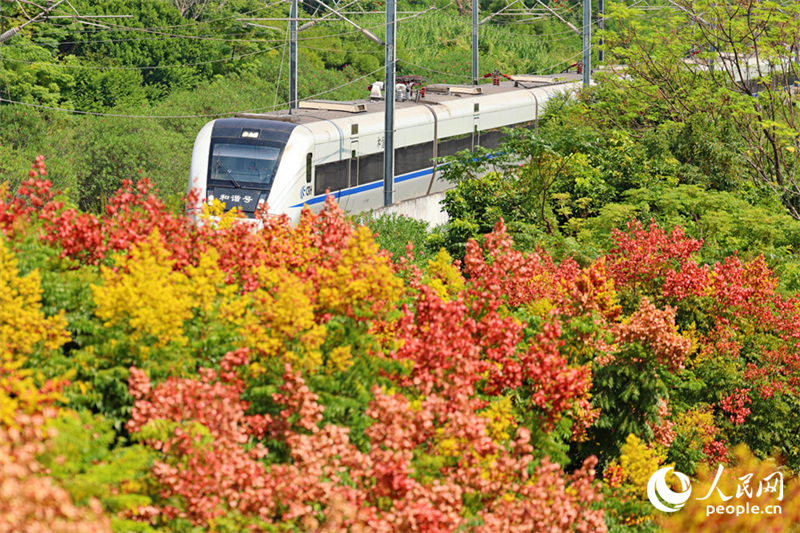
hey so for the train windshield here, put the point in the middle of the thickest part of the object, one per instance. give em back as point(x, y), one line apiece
point(243, 165)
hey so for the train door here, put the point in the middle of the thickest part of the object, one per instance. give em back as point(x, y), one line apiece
point(346, 200)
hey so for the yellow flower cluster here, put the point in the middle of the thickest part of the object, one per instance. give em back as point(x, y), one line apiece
point(361, 275)
point(445, 278)
point(638, 463)
point(156, 304)
point(282, 316)
point(210, 291)
point(697, 425)
point(144, 293)
point(501, 419)
point(23, 329)
point(214, 213)
point(340, 359)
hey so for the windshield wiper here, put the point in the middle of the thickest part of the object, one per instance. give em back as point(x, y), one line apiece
point(228, 173)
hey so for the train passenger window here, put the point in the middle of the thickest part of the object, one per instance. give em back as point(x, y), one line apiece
point(415, 157)
point(309, 158)
point(332, 176)
point(451, 145)
point(370, 168)
point(491, 138)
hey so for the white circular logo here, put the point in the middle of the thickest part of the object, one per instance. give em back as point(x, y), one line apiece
point(658, 490)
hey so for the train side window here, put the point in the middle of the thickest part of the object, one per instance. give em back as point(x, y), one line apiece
point(332, 176)
point(451, 145)
point(491, 138)
point(414, 157)
point(309, 158)
point(370, 168)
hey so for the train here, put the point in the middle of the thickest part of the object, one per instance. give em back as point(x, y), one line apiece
point(292, 161)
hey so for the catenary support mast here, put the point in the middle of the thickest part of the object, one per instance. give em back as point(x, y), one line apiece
point(587, 41)
point(389, 83)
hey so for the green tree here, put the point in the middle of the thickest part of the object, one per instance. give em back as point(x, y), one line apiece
point(727, 61)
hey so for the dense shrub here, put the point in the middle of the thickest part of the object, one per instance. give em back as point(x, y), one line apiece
point(233, 376)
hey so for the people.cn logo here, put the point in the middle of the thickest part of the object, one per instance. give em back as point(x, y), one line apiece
point(659, 492)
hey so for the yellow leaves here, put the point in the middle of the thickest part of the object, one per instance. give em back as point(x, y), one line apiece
point(638, 463)
point(23, 326)
point(23, 329)
point(340, 359)
point(540, 307)
point(208, 282)
point(445, 278)
point(361, 277)
point(214, 213)
point(144, 293)
point(282, 315)
point(501, 419)
point(697, 425)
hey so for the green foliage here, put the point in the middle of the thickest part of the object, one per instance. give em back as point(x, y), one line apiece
point(627, 392)
point(725, 221)
point(114, 150)
point(395, 232)
point(87, 461)
point(686, 66)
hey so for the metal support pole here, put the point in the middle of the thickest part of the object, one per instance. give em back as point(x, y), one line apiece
point(38, 18)
point(293, 56)
point(601, 25)
point(475, 73)
point(388, 86)
point(587, 41)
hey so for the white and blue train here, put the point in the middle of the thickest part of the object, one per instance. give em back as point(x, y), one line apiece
point(290, 160)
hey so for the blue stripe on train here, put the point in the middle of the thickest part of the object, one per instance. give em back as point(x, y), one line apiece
point(366, 187)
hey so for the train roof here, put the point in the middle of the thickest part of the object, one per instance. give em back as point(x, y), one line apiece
point(315, 110)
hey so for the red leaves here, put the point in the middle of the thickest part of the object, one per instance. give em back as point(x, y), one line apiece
point(656, 329)
point(549, 503)
point(557, 386)
point(132, 215)
point(735, 405)
point(642, 255)
point(205, 464)
point(508, 273)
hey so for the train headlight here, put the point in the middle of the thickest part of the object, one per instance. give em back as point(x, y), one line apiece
point(262, 199)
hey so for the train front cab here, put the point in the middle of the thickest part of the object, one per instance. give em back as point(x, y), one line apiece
point(236, 161)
